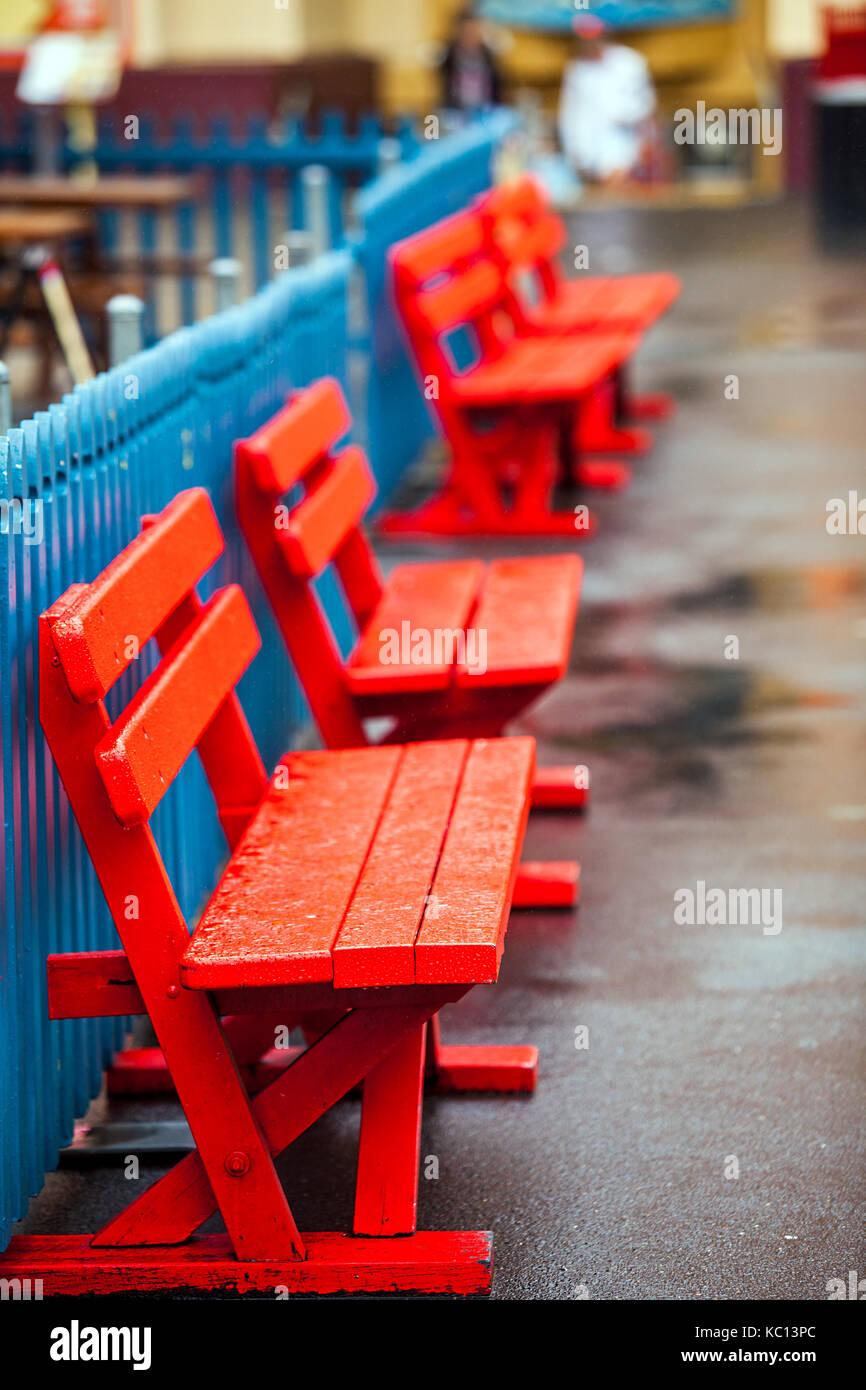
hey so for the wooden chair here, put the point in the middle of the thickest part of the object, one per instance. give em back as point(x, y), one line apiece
point(366, 888)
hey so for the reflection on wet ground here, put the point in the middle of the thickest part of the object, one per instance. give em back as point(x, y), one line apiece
point(737, 763)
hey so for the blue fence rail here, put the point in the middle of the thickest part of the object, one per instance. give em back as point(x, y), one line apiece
point(74, 482)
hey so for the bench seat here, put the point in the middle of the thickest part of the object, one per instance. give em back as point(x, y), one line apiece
point(370, 867)
point(605, 302)
point(534, 371)
point(523, 610)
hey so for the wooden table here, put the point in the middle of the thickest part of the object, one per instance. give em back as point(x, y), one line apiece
point(31, 226)
point(111, 191)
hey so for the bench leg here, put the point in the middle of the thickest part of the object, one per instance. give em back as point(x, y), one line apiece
point(551, 883)
point(478, 1068)
point(560, 789)
point(597, 429)
point(473, 501)
point(657, 405)
point(384, 1044)
point(386, 1193)
point(144, 1071)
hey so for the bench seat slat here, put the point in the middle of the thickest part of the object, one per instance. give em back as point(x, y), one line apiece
point(463, 930)
point(376, 944)
point(147, 746)
point(283, 897)
point(527, 610)
point(627, 301)
point(534, 370)
point(431, 597)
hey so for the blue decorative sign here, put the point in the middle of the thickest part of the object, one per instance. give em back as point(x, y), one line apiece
point(620, 14)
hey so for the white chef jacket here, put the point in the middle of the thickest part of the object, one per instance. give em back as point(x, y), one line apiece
point(602, 105)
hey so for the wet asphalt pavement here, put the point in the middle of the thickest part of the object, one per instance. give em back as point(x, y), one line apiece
point(712, 1049)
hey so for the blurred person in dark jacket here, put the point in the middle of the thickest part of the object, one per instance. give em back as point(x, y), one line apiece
point(469, 71)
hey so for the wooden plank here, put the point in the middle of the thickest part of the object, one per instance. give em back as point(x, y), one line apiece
point(100, 984)
point(425, 254)
point(527, 611)
point(386, 1194)
point(92, 984)
point(462, 298)
point(376, 944)
point(463, 932)
point(281, 453)
point(93, 625)
point(534, 370)
point(145, 748)
point(280, 903)
point(319, 524)
point(447, 1262)
point(421, 598)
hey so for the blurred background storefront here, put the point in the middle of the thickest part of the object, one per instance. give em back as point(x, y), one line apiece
point(305, 56)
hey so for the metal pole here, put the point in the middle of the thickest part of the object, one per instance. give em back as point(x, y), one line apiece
point(124, 327)
point(226, 274)
point(390, 153)
point(5, 400)
point(300, 248)
point(47, 141)
point(315, 181)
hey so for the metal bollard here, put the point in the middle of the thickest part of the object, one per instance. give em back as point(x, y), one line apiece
point(390, 154)
point(124, 327)
point(315, 181)
point(300, 248)
point(5, 400)
point(226, 274)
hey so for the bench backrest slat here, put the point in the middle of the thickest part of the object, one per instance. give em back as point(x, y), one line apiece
point(103, 626)
point(293, 543)
point(446, 278)
point(523, 232)
point(95, 631)
point(148, 744)
point(283, 451)
point(329, 513)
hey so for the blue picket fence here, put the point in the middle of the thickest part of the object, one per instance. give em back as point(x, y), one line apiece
point(119, 447)
point(86, 470)
point(250, 191)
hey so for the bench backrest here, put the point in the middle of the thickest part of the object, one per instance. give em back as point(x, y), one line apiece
point(116, 771)
point(525, 236)
point(300, 503)
point(445, 279)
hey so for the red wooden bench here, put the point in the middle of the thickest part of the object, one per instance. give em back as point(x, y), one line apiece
point(513, 415)
point(366, 888)
point(526, 237)
point(521, 611)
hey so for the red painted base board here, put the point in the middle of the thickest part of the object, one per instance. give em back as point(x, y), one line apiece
point(445, 1262)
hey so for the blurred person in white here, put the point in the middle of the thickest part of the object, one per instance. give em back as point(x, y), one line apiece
point(605, 105)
